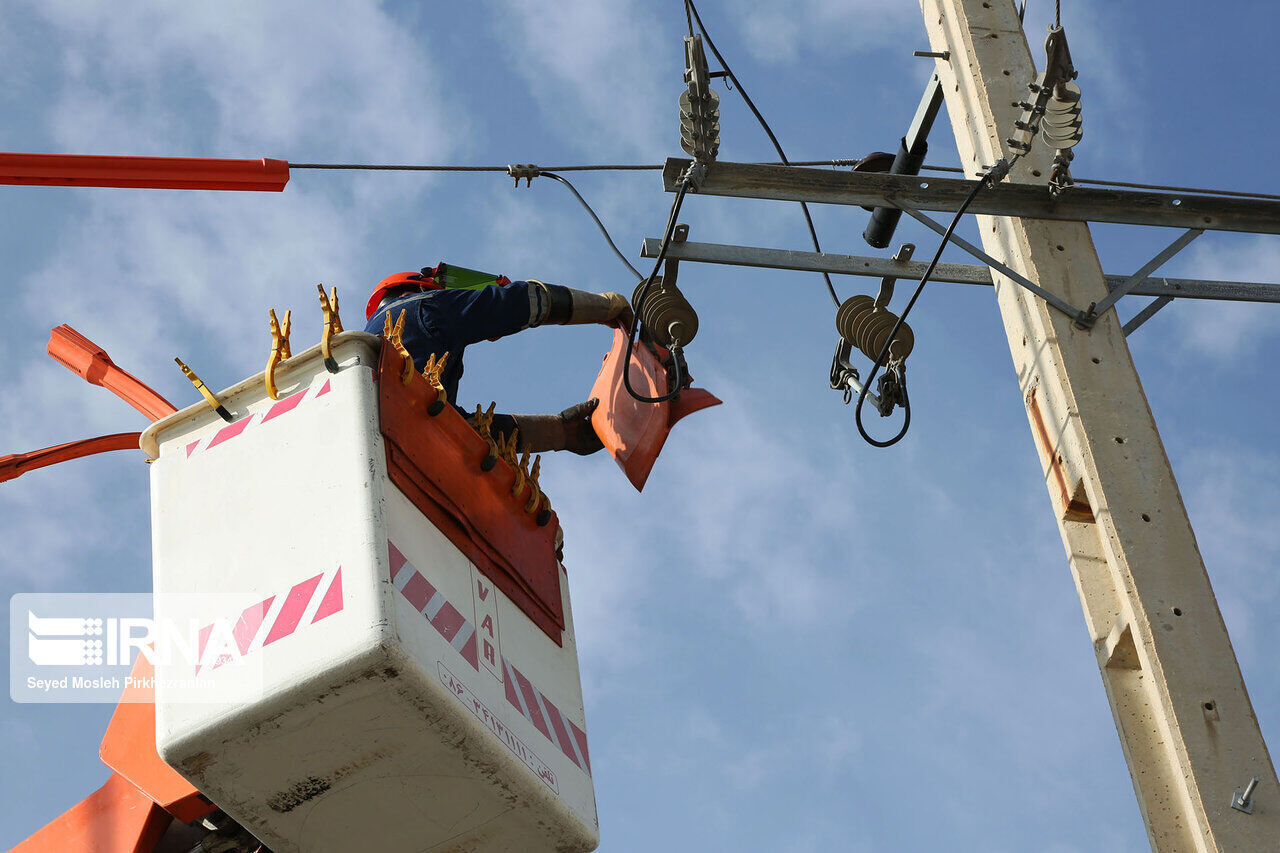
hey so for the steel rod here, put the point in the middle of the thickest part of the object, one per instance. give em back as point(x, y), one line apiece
point(787, 259)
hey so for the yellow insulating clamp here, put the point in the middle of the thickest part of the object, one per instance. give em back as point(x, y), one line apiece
point(522, 475)
point(535, 491)
point(393, 335)
point(204, 391)
point(508, 450)
point(433, 372)
point(332, 326)
point(279, 351)
point(482, 422)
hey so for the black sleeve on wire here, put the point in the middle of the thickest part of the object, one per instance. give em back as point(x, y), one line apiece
point(777, 146)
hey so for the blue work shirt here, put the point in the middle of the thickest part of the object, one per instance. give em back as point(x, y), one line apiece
point(447, 321)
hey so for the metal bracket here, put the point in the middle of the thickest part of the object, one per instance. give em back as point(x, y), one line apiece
point(998, 266)
point(1087, 318)
point(1146, 314)
point(844, 377)
point(886, 284)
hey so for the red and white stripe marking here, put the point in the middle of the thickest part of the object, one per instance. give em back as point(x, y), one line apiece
point(431, 603)
point(531, 702)
point(281, 407)
point(546, 717)
point(279, 616)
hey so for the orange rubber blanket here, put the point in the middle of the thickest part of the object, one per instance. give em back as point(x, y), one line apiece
point(634, 432)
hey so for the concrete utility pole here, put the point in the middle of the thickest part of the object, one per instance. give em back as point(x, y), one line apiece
point(1185, 720)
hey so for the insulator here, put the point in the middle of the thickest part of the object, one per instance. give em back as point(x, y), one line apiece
point(1061, 126)
point(699, 106)
point(867, 327)
point(667, 316)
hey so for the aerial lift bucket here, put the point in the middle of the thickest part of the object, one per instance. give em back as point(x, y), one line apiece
point(401, 621)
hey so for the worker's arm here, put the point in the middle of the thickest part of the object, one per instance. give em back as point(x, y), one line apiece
point(570, 430)
point(495, 312)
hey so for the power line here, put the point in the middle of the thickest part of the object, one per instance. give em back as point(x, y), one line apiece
point(599, 224)
point(777, 146)
point(835, 162)
point(379, 167)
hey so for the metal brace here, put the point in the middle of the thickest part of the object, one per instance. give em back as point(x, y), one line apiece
point(1087, 318)
point(998, 266)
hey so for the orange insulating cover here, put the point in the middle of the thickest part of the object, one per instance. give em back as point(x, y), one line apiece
point(117, 818)
point(436, 461)
point(129, 748)
point(634, 432)
point(16, 464)
point(161, 173)
point(91, 362)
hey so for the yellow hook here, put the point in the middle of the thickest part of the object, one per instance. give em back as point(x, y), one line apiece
point(279, 351)
point(332, 326)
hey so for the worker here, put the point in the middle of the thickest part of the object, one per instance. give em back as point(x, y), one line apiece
point(440, 319)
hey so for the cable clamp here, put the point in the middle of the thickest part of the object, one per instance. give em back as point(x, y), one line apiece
point(694, 175)
point(528, 171)
point(997, 173)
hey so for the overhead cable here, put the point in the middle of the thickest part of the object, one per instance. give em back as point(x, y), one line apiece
point(777, 146)
point(599, 224)
point(994, 174)
point(835, 162)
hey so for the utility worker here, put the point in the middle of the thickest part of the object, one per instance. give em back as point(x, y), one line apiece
point(443, 319)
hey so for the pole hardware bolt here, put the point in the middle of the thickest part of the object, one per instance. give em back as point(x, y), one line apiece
point(1243, 802)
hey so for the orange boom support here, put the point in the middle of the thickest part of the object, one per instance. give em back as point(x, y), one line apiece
point(171, 173)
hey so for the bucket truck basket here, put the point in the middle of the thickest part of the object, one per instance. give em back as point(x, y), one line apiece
point(400, 617)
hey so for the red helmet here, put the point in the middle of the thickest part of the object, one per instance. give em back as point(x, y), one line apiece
point(401, 279)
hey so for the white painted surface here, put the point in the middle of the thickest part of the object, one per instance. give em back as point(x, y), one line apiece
point(371, 730)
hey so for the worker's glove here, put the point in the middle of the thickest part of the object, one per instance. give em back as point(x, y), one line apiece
point(569, 430)
point(565, 306)
point(579, 436)
point(619, 310)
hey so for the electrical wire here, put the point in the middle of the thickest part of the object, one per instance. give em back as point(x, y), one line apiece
point(777, 146)
point(884, 352)
point(599, 224)
point(835, 162)
point(379, 167)
point(639, 302)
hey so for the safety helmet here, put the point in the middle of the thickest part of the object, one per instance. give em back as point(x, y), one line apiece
point(417, 280)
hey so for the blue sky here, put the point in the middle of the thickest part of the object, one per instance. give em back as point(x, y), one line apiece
point(791, 641)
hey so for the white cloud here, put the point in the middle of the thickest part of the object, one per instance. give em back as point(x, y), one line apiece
point(1226, 331)
point(787, 31)
point(605, 74)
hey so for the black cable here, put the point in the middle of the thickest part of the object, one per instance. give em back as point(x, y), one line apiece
point(884, 352)
point(395, 167)
point(646, 167)
point(644, 292)
point(599, 224)
point(813, 232)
